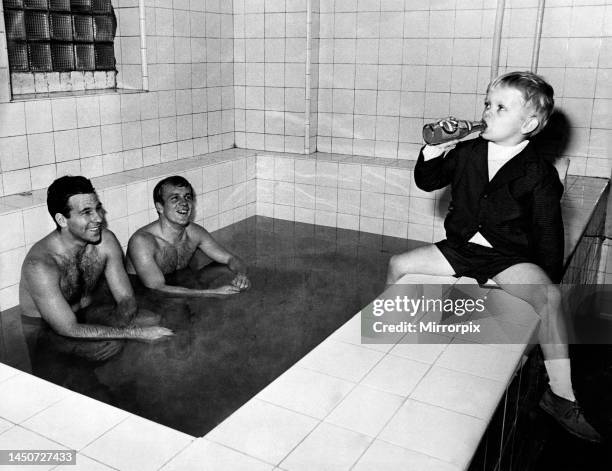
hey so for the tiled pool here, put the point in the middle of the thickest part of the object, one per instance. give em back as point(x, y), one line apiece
point(307, 282)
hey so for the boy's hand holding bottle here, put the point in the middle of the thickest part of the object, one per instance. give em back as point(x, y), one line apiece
point(444, 134)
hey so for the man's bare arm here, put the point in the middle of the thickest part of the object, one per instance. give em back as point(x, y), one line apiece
point(141, 250)
point(218, 253)
point(42, 278)
point(117, 279)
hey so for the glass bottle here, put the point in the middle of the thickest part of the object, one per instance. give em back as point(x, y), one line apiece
point(450, 128)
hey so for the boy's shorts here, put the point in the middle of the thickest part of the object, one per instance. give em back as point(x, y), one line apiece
point(477, 261)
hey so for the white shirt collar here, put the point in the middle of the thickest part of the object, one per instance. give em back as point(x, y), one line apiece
point(497, 152)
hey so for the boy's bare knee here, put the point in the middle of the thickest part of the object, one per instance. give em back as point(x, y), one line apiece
point(393, 262)
point(392, 270)
point(426, 260)
point(553, 295)
point(544, 296)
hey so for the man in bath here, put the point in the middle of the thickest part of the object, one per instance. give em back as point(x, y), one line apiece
point(170, 243)
point(62, 271)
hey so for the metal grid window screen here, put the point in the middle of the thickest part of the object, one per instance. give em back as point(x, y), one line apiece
point(60, 35)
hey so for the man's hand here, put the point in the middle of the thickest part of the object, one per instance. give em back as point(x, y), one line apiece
point(154, 333)
point(431, 152)
point(241, 282)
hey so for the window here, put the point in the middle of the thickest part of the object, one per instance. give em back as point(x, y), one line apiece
point(45, 36)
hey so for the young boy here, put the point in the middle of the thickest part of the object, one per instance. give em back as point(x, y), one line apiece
point(504, 223)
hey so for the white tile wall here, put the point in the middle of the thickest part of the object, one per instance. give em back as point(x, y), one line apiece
point(432, 60)
point(348, 194)
point(270, 71)
point(189, 55)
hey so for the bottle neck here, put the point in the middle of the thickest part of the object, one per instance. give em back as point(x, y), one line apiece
point(474, 126)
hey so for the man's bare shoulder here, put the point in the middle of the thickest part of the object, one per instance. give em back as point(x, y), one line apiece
point(197, 232)
point(108, 242)
point(148, 232)
point(44, 251)
point(41, 259)
point(147, 237)
point(40, 269)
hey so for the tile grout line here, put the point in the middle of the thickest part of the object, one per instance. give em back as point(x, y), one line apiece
point(338, 404)
point(404, 401)
point(175, 455)
point(320, 421)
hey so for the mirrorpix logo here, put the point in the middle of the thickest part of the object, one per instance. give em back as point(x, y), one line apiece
point(421, 309)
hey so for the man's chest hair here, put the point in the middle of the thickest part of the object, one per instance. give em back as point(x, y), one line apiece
point(80, 272)
point(175, 256)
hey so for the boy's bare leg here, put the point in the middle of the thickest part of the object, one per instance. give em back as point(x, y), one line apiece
point(529, 282)
point(426, 260)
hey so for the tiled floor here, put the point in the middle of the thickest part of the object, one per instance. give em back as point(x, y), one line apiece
point(383, 456)
point(470, 395)
point(55, 422)
point(263, 430)
point(365, 410)
point(204, 451)
point(429, 404)
point(341, 360)
point(434, 431)
point(384, 376)
point(22, 396)
point(492, 362)
point(306, 391)
point(150, 445)
point(17, 437)
point(327, 447)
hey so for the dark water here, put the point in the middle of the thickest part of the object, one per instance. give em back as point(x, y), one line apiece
point(306, 282)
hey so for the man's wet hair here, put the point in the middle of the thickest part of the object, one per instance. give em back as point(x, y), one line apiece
point(175, 180)
point(537, 93)
point(60, 191)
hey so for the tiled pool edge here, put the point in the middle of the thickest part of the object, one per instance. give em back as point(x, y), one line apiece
point(458, 430)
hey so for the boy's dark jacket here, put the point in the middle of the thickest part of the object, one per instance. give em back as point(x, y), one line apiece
point(518, 211)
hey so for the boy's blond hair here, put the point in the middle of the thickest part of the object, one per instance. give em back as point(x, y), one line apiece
point(537, 93)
